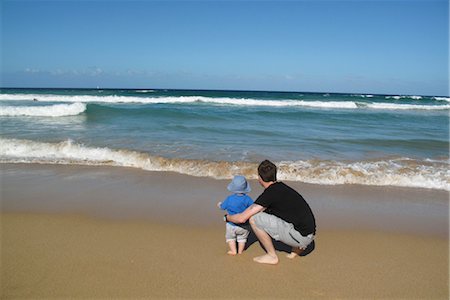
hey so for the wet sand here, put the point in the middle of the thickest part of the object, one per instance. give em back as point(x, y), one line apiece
point(96, 232)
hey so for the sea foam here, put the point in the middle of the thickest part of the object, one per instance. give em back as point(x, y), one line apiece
point(57, 110)
point(442, 99)
point(392, 106)
point(433, 174)
point(404, 97)
point(221, 101)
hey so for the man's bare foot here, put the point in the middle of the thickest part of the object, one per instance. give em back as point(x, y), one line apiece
point(295, 252)
point(231, 253)
point(266, 259)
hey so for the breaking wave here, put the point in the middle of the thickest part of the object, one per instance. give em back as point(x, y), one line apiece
point(57, 110)
point(222, 101)
point(442, 99)
point(404, 97)
point(392, 106)
point(433, 174)
point(144, 91)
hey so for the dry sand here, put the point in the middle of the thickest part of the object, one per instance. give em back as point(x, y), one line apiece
point(95, 232)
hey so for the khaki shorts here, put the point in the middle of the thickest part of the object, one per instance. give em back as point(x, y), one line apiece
point(281, 230)
point(235, 232)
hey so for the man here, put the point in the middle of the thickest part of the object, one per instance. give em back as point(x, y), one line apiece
point(280, 213)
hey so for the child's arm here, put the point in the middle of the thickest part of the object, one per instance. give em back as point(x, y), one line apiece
point(246, 214)
point(223, 205)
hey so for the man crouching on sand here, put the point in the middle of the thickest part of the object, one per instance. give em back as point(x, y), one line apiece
point(279, 212)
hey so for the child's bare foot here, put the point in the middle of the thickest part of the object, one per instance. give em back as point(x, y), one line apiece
point(232, 247)
point(266, 259)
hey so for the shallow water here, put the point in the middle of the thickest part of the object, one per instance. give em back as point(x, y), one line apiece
point(313, 137)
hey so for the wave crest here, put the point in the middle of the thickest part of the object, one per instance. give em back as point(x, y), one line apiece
point(442, 99)
point(222, 101)
point(57, 110)
point(396, 172)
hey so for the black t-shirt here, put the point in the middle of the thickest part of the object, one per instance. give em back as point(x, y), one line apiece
point(284, 202)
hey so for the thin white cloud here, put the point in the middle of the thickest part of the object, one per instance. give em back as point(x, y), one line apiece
point(91, 71)
point(31, 70)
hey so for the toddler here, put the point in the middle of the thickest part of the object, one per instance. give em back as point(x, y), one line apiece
point(234, 204)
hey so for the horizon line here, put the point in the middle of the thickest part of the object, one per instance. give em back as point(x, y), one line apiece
point(218, 90)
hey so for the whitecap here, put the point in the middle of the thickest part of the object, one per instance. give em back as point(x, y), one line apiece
point(404, 171)
point(57, 110)
point(393, 106)
point(442, 99)
point(217, 101)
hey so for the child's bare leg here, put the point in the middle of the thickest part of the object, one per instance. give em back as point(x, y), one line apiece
point(232, 245)
point(241, 246)
point(296, 251)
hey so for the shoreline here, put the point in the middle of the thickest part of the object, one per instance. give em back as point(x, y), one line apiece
point(168, 197)
point(111, 232)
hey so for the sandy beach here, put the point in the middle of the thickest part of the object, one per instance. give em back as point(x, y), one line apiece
point(106, 232)
point(122, 123)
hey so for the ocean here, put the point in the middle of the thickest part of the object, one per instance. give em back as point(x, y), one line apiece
point(319, 138)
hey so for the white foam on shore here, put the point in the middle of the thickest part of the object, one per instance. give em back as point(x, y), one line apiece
point(221, 101)
point(405, 172)
point(57, 110)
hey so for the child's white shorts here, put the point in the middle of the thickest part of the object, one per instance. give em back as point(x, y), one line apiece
point(235, 232)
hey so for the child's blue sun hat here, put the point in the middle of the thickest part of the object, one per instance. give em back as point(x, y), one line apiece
point(239, 185)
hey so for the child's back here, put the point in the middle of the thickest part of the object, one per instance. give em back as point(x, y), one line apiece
point(235, 204)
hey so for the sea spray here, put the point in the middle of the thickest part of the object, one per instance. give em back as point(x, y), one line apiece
point(115, 99)
point(396, 172)
point(57, 110)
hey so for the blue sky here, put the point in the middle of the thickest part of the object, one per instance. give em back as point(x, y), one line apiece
point(391, 47)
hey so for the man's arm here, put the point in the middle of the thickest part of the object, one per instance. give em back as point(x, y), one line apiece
point(246, 214)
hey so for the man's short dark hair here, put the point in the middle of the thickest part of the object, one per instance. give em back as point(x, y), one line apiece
point(267, 171)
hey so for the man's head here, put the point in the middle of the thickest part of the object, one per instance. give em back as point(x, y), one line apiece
point(267, 171)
